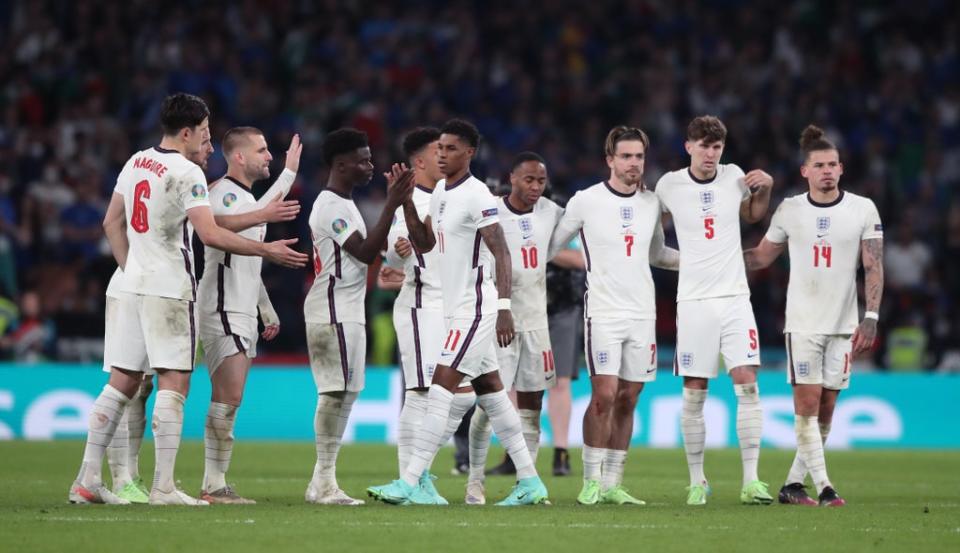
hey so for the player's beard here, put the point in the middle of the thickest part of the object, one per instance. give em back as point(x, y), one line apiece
point(628, 180)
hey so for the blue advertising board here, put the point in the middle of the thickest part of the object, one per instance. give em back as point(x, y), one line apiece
point(51, 401)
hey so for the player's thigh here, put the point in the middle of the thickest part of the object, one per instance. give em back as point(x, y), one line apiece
point(639, 357)
point(698, 338)
point(170, 332)
point(739, 341)
point(536, 369)
point(469, 345)
point(337, 356)
point(123, 343)
point(604, 340)
point(836, 362)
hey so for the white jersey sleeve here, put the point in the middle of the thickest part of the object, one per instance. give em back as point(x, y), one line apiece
point(777, 233)
point(339, 286)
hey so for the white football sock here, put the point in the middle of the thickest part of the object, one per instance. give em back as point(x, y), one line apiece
point(798, 470)
point(462, 402)
point(694, 432)
point(810, 450)
point(506, 425)
point(612, 471)
point(411, 415)
point(429, 435)
point(167, 428)
point(530, 425)
point(749, 428)
point(218, 445)
point(104, 416)
point(593, 462)
point(136, 424)
point(479, 440)
point(117, 454)
point(329, 424)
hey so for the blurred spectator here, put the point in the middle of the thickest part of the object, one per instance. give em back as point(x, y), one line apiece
point(32, 338)
point(80, 89)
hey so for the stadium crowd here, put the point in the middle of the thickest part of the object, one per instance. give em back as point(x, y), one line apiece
point(80, 86)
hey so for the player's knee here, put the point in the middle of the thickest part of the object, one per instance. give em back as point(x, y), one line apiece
point(602, 400)
point(626, 401)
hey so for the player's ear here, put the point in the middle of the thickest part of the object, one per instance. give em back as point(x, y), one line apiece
point(803, 170)
point(839, 169)
point(688, 146)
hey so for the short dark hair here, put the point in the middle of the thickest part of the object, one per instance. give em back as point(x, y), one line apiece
point(182, 110)
point(813, 139)
point(418, 139)
point(464, 129)
point(235, 136)
point(621, 133)
point(343, 141)
point(708, 128)
point(524, 157)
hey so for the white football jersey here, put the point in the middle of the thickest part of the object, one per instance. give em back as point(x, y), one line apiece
point(617, 232)
point(231, 283)
point(824, 245)
point(158, 187)
point(340, 283)
point(457, 212)
point(421, 281)
point(528, 237)
point(706, 217)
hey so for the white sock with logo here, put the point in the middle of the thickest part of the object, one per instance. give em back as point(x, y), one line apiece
point(612, 471)
point(593, 462)
point(694, 432)
point(104, 417)
point(479, 440)
point(218, 445)
point(411, 416)
point(167, 429)
point(749, 428)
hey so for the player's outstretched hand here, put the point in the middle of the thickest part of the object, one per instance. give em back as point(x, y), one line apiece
point(402, 188)
point(864, 336)
point(758, 180)
point(403, 247)
point(279, 210)
point(293, 154)
point(505, 330)
point(279, 252)
point(270, 331)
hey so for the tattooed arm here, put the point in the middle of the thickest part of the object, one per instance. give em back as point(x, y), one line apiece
point(872, 255)
point(494, 239)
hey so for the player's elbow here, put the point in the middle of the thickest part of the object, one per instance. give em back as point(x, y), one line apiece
point(210, 236)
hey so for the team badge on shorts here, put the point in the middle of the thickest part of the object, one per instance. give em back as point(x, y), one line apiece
point(603, 357)
point(823, 223)
point(339, 225)
point(526, 228)
point(686, 360)
point(707, 197)
point(803, 368)
point(229, 198)
point(199, 191)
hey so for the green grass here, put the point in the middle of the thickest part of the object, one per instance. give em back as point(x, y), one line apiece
point(897, 501)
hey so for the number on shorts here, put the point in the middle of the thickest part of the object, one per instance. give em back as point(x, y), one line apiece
point(708, 227)
point(455, 336)
point(530, 257)
point(753, 338)
point(653, 354)
point(628, 238)
point(822, 251)
point(138, 219)
point(548, 365)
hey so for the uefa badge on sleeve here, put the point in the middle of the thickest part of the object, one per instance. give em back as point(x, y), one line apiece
point(339, 225)
point(229, 198)
point(199, 191)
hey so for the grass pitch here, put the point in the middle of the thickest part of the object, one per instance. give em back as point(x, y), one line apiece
point(897, 501)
